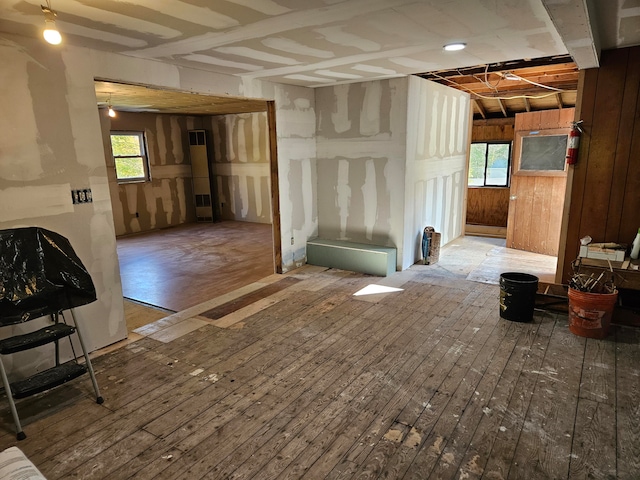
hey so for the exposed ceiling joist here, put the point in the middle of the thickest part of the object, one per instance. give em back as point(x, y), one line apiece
point(501, 105)
point(546, 84)
point(480, 108)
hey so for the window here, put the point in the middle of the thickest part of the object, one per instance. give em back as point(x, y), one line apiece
point(541, 153)
point(129, 154)
point(489, 164)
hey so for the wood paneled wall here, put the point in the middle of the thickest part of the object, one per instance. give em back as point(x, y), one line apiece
point(489, 206)
point(605, 195)
point(492, 130)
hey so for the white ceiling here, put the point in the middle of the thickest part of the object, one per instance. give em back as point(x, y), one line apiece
point(324, 42)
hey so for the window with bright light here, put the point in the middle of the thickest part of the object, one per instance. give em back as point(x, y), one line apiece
point(130, 156)
point(489, 164)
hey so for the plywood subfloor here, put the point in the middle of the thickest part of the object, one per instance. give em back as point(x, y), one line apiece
point(312, 382)
point(483, 259)
point(183, 266)
point(138, 314)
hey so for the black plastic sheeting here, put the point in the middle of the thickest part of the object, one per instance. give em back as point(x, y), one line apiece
point(40, 274)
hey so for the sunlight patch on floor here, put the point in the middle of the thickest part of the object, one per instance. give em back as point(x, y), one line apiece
point(373, 289)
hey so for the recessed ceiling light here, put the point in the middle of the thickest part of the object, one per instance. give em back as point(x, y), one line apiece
point(452, 47)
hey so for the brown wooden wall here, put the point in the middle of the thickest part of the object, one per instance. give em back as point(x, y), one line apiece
point(489, 206)
point(490, 130)
point(605, 195)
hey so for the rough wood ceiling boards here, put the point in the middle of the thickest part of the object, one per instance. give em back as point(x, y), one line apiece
point(495, 95)
point(140, 98)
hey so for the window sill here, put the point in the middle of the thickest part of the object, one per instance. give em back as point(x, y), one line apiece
point(127, 182)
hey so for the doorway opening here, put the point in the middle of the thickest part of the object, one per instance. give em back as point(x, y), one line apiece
point(515, 219)
point(172, 257)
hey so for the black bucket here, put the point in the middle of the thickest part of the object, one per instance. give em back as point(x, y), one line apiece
point(518, 296)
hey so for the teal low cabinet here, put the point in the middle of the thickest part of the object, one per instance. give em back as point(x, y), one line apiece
point(355, 257)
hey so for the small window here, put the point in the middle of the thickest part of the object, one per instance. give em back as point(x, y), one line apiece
point(489, 164)
point(130, 156)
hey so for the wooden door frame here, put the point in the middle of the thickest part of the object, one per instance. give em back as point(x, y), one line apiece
point(275, 187)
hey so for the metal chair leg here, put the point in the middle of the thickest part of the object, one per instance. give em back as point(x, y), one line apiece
point(20, 435)
point(99, 398)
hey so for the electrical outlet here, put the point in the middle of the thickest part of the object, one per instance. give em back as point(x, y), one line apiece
point(81, 196)
point(292, 240)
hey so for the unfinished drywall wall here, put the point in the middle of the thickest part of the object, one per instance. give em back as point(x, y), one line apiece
point(361, 143)
point(51, 142)
point(240, 163)
point(167, 198)
point(437, 145)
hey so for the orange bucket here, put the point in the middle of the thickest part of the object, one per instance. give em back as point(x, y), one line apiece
point(590, 313)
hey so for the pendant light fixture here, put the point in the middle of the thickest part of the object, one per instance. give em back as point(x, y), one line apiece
point(50, 33)
point(111, 112)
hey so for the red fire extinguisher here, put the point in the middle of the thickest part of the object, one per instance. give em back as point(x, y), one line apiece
point(573, 143)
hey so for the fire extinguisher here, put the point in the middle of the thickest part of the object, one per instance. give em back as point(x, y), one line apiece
point(573, 143)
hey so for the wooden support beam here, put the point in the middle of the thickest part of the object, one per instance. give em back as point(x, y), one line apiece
point(480, 108)
point(504, 110)
point(527, 104)
point(492, 122)
point(559, 100)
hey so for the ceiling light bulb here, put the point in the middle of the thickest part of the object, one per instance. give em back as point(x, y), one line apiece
point(452, 47)
point(50, 33)
point(511, 76)
point(111, 112)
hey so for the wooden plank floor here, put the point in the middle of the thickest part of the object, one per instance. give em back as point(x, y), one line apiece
point(426, 383)
point(180, 267)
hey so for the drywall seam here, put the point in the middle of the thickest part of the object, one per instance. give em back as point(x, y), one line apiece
point(370, 113)
point(370, 194)
point(35, 201)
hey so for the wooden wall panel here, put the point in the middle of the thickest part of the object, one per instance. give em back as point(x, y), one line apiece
point(624, 203)
point(487, 206)
point(606, 180)
point(485, 130)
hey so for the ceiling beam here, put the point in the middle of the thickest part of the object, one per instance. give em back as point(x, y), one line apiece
point(504, 110)
point(575, 22)
point(480, 108)
point(531, 90)
point(559, 100)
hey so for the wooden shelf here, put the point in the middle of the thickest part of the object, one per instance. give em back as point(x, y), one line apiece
point(625, 274)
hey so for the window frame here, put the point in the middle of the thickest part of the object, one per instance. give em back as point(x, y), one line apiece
point(486, 152)
point(143, 154)
point(517, 152)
